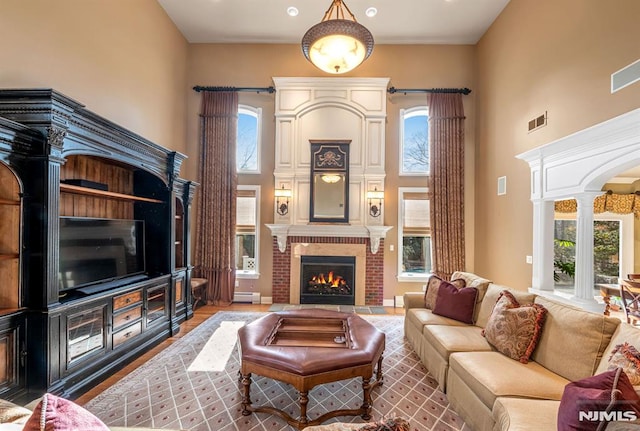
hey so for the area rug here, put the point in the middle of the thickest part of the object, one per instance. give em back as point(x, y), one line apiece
point(162, 393)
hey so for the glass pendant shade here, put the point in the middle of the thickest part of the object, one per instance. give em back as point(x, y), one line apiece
point(337, 45)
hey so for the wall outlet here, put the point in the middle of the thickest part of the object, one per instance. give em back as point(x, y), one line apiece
point(391, 247)
point(529, 259)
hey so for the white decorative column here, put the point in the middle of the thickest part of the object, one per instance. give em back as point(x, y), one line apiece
point(543, 226)
point(584, 281)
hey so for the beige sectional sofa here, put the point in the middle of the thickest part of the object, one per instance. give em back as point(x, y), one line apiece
point(491, 391)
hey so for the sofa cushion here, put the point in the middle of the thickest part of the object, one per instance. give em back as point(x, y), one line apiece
point(573, 340)
point(458, 304)
point(59, 414)
point(448, 339)
point(491, 296)
point(419, 317)
point(525, 414)
point(514, 329)
point(473, 280)
point(608, 392)
point(491, 374)
point(433, 285)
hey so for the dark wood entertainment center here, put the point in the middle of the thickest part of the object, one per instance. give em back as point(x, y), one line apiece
point(57, 159)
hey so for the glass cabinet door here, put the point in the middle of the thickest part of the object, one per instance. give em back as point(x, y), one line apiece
point(156, 304)
point(85, 333)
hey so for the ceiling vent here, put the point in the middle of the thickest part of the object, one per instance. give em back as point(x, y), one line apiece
point(537, 122)
point(625, 76)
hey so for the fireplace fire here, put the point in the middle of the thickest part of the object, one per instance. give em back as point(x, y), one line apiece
point(327, 280)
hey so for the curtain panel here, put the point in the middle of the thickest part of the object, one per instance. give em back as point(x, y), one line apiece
point(214, 257)
point(446, 182)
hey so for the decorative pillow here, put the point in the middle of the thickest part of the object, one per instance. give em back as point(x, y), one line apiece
point(433, 285)
point(10, 412)
point(389, 424)
point(610, 392)
point(514, 329)
point(58, 414)
point(626, 357)
point(454, 303)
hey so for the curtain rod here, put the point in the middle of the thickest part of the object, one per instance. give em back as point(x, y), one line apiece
point(199, 88)
point(405, 91)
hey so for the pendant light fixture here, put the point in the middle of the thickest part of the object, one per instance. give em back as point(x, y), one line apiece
point(338, 43)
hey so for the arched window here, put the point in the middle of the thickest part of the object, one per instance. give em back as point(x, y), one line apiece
point(248, 142)
point(414, 141)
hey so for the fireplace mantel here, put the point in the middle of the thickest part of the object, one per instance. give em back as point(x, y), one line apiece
point(374, 233)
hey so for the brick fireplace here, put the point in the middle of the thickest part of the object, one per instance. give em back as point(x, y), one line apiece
point(286, 266)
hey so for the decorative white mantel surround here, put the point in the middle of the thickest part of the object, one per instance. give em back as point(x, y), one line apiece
point(330, 109)
point(577, 166)
point(374, 233)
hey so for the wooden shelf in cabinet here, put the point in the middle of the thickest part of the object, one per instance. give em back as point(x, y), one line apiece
point(68, 188)
point(9, 202)
point(8, 256)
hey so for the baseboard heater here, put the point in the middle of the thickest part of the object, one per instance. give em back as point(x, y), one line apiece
point(250, 297)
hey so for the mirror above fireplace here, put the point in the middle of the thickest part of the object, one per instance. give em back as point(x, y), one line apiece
point(329, 181)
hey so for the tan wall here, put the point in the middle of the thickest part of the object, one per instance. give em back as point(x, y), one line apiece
point(540, 55)
point(123, 59)
point(407, 66)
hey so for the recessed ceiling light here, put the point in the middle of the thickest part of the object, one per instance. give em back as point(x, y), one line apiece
point(292, 11)
point(371, 12)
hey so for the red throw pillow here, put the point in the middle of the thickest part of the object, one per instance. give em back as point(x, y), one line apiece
point(590, 404)
point(58, 414)
point(454, 303)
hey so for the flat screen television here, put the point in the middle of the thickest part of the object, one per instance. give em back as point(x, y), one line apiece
point(96, 250)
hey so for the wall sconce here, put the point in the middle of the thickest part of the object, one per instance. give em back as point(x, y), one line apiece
point(375, 209)
point(282, 206)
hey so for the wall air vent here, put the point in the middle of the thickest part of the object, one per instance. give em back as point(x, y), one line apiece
point(537, 122)
point(625, 76)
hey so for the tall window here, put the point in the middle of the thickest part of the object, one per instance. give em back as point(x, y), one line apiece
point(414, 234)
point(247, 224)
point(414, 141)
point(248, 144)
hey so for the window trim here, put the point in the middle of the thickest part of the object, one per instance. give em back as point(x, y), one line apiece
point(408, 113)
point(257, 112)
point(241, 274)
point(403, 277)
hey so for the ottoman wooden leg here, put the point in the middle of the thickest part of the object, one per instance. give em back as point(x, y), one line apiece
point(379, 378)
point(366, 402)
point(246, 399)
point(304, 400)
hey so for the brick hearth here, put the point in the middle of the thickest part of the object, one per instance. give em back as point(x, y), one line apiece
point(282, 267)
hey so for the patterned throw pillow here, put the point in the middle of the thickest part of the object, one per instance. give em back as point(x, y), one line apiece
point(626, 357)
point(433, 285)
point(389, 424)
point(10, 412)
point(514, 329)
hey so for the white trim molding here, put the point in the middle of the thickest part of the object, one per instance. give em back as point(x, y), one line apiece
point(577, 166)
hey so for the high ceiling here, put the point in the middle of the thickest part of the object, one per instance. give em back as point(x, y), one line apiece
point(397, 21)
